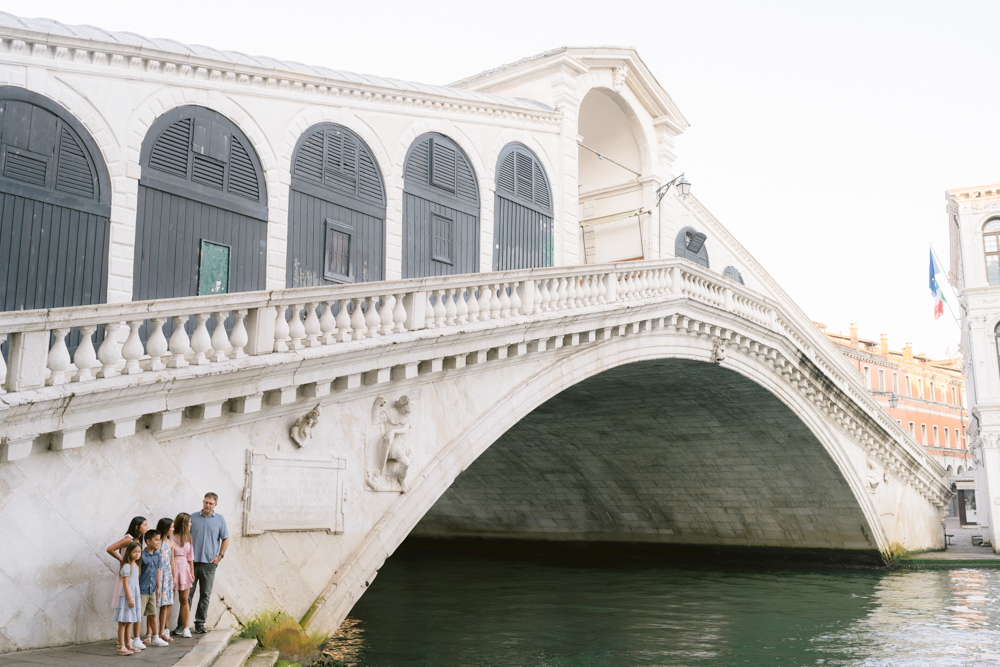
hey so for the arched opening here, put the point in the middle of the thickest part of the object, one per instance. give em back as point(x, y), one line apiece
point(960, 470)
point(522, 211)
point(670, 451)
point(733, 273)
point(690, 244)
point(610, 167)
point(201, 226)
point(440, 209)
point(55, 205)
point(336, 210)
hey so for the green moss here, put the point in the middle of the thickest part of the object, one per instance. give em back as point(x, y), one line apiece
point(277, 631)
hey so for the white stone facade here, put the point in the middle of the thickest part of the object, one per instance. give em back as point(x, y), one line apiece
point(969, 211)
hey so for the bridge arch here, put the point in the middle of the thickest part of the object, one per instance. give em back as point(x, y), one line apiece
point(858, 527)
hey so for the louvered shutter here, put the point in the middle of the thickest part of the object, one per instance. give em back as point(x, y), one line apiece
point(242, 174)
point(73, 175)
point(505, 178)
point(524, 176)
point(418, 163)
point(170, 152)
point(309, 158)
point(542, 197)
point(443, 167)
point(369, 182)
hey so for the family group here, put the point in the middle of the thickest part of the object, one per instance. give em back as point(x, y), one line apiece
point(156, 565)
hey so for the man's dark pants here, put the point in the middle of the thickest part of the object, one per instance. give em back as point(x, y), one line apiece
point(204, 577)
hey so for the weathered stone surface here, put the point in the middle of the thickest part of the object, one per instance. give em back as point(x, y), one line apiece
point(292, 494)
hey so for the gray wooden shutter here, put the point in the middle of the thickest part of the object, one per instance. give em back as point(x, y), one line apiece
point(309, 158)
point(443, 166)
point(417, 167)
point(171, 149)
point(505, 177)
point(74, 175)
point(242, 174)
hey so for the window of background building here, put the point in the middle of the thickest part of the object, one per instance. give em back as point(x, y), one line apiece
point(913, 434)
point(932, 396)
point(954, 400)
point(991, 246)
point(909, 387)
point(963, 437)
point(923, 434)
point(881, 380)
point(935, 429)
point(899, 421)
point(920, 388)
point(868, 377)
point(947, 439)
point(895, 383)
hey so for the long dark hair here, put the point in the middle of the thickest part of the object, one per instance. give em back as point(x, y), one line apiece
point(182, 528)
point(128, 551)
point(163, 527)
point(133, 528)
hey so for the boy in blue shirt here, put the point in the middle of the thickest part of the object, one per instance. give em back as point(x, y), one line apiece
point(149, 587)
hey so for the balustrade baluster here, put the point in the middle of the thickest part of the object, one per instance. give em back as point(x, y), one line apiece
point(344, 331)
point(399, 314)
point(156, 346)
point(602, 287)
point(485, 299)
point(296, 329)
point(584, 293)
point(543, 295)
point(358, 320)
point(450, 309)
point(629, 285)
point(3, 365)
point(180, 345)
point(495, 305)
point(239, 338)
point(201, 342)
point(328, 324)
point(515, 300)
point(440, 312)
point(504, 301)
point(312, 327)
point(461, 307)
point(385, 313)
point(473, 305)
point(132, 349)
point(110, 351)
point(220, 341)
point(563, 292)
point(58, 360)
point(676, 280)
point(281, 336)
point(372, 319)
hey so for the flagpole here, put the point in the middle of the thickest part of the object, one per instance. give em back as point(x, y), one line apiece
point(938, 260)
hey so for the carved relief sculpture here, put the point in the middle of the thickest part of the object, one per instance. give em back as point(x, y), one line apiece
point(302, 430)
point(392, 455)
point(873, 478)
point(719, 351)
point(618, 76)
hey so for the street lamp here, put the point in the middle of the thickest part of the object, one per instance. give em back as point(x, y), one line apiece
point(683, 188)
point(893, 397)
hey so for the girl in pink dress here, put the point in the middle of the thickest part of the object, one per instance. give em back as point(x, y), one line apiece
point(183, 570)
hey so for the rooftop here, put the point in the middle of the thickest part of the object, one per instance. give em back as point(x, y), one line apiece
point(89, 32)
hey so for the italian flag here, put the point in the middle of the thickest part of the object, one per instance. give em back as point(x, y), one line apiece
point(936, 288)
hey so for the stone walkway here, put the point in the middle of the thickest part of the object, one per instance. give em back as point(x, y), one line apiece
point(961, 545)
point(199, 651)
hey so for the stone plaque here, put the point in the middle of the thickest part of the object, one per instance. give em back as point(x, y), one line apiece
point(293, 494)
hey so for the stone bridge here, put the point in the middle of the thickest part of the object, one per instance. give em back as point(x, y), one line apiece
point(651, 401)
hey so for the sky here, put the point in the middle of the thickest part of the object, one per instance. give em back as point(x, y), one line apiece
point(823, 135)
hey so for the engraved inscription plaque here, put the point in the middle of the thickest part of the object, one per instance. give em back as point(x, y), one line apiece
point(293, 494)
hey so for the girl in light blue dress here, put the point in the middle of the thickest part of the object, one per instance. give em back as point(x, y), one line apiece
point(127, 610)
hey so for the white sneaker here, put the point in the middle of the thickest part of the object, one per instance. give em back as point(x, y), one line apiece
point(187, 633)
point(137, 643)
point(158, 641)
point(165, 633)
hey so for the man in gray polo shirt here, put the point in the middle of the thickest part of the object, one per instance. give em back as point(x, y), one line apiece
point(209, 539)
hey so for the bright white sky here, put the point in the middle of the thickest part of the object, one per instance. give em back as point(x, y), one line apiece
point(822, 135)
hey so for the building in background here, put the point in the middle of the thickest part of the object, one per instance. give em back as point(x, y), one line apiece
point(974, 232)
point(930, 400)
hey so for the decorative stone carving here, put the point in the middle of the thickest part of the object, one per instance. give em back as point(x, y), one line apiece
point(391, 456)
point(873, 478)
point(293, 494)
point(302, 430)
point(618, 76)
point(719, 351)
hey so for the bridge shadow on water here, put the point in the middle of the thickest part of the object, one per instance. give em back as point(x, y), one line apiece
point(486, 602)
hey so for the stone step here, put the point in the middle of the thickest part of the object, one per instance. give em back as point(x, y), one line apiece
point(236, 654)
point(263, 659)
point(207, 649)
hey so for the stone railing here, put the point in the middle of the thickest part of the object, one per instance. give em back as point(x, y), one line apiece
point(263, 323)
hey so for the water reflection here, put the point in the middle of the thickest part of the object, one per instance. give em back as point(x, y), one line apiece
point(440, 608)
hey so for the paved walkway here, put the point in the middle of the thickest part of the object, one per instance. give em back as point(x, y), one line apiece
point(961, 545)
point(199, 651)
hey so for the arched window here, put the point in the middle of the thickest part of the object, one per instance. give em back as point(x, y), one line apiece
point(522, 211)
point(991, 245)
point(733, 273)
point(336, 210)
point(55, 205)
point(440, 209)
point(201, 226)
point(690, 244)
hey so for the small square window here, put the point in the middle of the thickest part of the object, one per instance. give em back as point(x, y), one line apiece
point(442, 230)
point(337, 256)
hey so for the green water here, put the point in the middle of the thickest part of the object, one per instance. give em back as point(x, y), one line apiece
point(442, 608)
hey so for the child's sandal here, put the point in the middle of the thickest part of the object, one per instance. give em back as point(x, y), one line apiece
point(125, 651)
point(166, 637)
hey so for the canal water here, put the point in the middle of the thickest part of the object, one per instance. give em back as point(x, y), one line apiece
point(444, 608)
